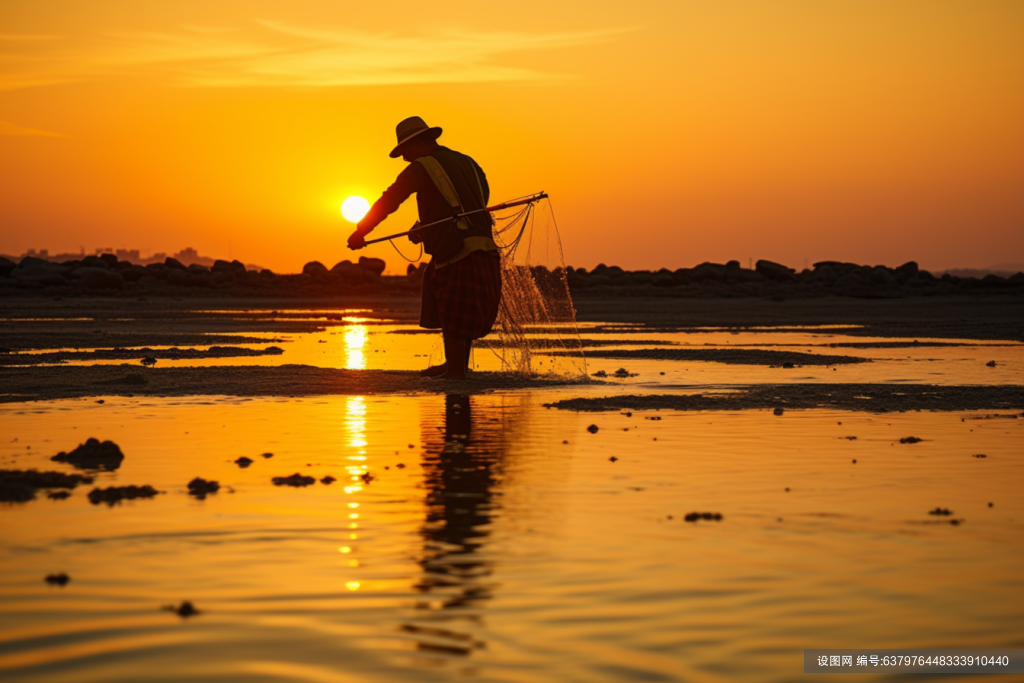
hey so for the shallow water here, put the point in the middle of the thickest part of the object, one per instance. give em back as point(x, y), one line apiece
point(359, 343)
point(500, 553)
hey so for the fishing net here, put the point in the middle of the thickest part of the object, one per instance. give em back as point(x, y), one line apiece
point(536, 315)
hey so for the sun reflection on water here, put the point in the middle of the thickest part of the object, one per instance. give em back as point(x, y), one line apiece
point(355, 341)
point(355, 429)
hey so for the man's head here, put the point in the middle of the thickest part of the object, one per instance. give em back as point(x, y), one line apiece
point(415, 139)
point(418, 147)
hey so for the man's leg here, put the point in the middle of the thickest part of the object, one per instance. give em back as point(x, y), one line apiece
point(430, 318)
point(456, 355)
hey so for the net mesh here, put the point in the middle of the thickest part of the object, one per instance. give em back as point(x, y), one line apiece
point(537, 314)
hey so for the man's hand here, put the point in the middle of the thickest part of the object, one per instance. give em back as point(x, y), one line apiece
point(356, 240)
point(415, 234)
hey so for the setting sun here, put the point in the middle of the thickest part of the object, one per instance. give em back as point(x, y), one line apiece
point(354, 208)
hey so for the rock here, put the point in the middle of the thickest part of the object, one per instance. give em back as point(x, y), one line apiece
point(134, 273)
point(29, 261)
point(57, 579)
point(623, 372)
point(373, 265)
point(98, 278)
point(20, 486)
point(115, 494)
point(243, 462)
point(367, 477)
point(179, 278)
point(778, 411)
point(990, 364)
point(43, 275)
point(6, 266)
point(296, 480)
point(174, 264)
point(58, 495)
point(613, 459)
point(911, 439)
point(148, 361)
point(109, 259)
point(315, 269)
point(328, 480)
point(198, 268)
point(979, 455)
point(788, 365)
point(93, 455)
point(592, 429)
point(880, 275)
point(775, 271)
point(221, 266)
point(268, 455)
point(200, 487)
point(708, 272)
point(600, 373)
point(707, 516)
point(945, 512)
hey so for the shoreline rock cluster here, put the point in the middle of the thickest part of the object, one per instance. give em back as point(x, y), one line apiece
point(767, 278)
point(105, 274)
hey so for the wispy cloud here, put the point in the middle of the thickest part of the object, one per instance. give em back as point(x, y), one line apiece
point(276, 54)
point(16, 130)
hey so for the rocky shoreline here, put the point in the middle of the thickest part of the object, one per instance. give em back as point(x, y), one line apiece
point(106, 275)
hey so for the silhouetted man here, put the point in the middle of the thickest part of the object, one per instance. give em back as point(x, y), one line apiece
point(462, 282)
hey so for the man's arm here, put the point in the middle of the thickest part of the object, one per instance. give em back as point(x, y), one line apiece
point(404, 186)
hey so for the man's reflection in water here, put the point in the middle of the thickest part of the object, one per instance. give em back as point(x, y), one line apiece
point(460, 479)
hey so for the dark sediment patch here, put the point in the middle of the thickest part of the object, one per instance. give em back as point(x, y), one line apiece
point(20, 486)
point(894, 345)
point(60, 579)
point(706, 516)
point(729, 356)
point(243, 462)
point(55, 382)
point(200, 487)
point(911, 439)
point(93, 455)
point(115, 494)
point(148, 356)
point(872, 398)
point(297, 480)
point(185, 609)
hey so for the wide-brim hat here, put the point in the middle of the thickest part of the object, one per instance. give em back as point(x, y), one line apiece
point(410, 128)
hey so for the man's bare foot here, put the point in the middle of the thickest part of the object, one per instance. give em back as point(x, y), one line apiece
point(434, 370)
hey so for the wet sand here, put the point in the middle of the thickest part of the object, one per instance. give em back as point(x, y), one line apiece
point(55, 382)
point(871, 398)
point(136, 354)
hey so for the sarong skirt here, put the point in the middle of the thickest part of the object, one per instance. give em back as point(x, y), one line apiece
point(462, 298)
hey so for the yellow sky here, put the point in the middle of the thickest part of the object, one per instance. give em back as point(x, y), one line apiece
point(667, 133)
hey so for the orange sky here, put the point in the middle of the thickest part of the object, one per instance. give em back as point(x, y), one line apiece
point(667, 133)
